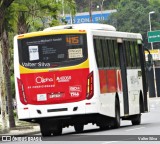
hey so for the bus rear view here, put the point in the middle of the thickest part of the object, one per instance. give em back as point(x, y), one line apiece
point(42, 78)
point(51, 72)
point(73, 75)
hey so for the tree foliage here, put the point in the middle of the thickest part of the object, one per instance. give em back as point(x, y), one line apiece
point(4, 4)
point(83, 5)
point(35, 15)
point(133, 16)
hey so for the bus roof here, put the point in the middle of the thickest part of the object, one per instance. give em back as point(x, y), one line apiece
point(117, 34)
point(95, 29)
point(98, 30)
point(85, 26)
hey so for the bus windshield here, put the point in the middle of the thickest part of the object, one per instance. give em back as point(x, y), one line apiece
point(51, 51)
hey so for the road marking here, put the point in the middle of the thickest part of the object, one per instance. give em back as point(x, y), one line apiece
point(110, 142)
point(135, 129)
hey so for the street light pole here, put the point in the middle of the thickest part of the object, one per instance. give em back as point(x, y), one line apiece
point(102, 8)
point(102, 5)
point(154, 74)
point(90, 10)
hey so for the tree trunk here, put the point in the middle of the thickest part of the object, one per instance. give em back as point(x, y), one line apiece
point(4, 4)
point(3, 100)
point(22, 23)
point(1, 20)
point(6, 70)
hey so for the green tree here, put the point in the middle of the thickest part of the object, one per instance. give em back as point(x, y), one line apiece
point(132, 16)
point(35, 15)
point(67, 7)
point(82, 5)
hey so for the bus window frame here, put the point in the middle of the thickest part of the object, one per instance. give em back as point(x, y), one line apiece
point(107, 41)
point(107, 65)
point(57, 64)
point(95, 50)
point(131, 42)
point(137, 56)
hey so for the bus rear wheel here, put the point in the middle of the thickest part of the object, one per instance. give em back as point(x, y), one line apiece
point(78, 128)
point(57, 132)
point(44, 130)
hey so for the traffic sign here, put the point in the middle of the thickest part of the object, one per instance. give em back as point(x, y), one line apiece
point(154, 36)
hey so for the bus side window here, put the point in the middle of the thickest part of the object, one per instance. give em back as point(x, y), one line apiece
point(105, 53)
point(98, 52)
point(137, 54)
point(116, 53)
point(133, 54)
point(128, 54)
point(111, 53)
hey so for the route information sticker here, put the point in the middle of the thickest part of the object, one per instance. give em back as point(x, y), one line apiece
point(33, 53)
point(75, 53)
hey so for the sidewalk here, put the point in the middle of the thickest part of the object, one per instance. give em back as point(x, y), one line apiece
point(154, 102)
point(25, 128)
point(22, 128)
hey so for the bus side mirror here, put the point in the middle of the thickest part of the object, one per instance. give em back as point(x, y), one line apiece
point(150, 62)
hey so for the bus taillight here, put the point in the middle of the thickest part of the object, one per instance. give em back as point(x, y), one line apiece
point(21, 91)
point(90, 86)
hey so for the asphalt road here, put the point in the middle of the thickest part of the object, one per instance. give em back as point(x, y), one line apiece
point(147, 132)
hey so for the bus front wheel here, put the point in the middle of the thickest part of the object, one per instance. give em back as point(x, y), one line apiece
point(136, 120)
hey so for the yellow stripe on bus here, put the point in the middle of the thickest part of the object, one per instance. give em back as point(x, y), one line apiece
point(52, 32)
point(24, 70)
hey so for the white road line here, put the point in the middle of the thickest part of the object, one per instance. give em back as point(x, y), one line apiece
point(135, 129)
point(110, 142)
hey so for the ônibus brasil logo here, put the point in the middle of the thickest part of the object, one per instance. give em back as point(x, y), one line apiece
point(40, 80)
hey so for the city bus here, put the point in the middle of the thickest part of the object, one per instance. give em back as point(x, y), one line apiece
point(72, 75)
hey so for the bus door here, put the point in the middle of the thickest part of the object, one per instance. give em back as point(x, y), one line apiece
point(123, 68)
